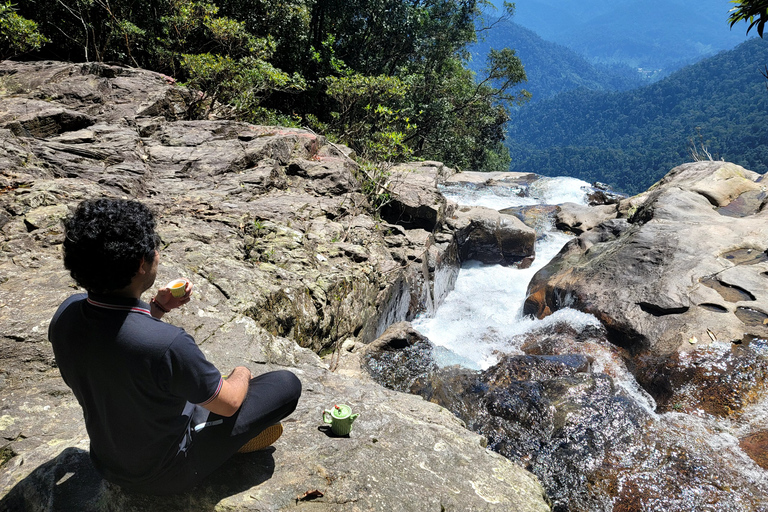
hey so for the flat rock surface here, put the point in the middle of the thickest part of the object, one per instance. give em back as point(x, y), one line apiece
point(403, 454)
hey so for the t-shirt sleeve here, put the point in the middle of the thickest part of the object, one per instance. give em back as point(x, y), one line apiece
point(187, 373)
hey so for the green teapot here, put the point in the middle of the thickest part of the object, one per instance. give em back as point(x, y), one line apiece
point(340, 419)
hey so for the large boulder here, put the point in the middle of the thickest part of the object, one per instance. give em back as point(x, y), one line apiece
point(414, 199)
point(577, 218)
point(679, 268)
point(502, 183)
point(488, 236)
point(272, 226)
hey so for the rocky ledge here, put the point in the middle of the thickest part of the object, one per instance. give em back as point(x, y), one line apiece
point(288, 262)
point(678, 267)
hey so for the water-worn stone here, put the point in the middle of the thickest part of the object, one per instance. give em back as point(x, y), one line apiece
point(756, 446)
point(577, 419)
point(538, 216)
point(550, 413)
point(488, 236)
point(415, 200)
point(714, 379)
point(576, 218)
point(602, 194)
point(652, 277)
point(287, 261)
point(506, 183)
point(398, 357)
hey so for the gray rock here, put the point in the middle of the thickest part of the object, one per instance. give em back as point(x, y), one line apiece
point(472, 179)
point(403, 454)
point(488, 236)
point(415, 200)
point(398, 357)
point(578, 218)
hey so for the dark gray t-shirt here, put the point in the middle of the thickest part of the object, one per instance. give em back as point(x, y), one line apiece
point(135, 378)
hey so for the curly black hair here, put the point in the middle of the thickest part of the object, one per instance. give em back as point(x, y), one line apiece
point(105, 241)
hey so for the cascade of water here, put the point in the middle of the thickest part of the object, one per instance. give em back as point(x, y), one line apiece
point(481, 315)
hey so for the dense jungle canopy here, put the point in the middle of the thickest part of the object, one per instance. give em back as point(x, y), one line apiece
point(387, 77)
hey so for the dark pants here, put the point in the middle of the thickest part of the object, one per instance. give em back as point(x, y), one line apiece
point(271, 397)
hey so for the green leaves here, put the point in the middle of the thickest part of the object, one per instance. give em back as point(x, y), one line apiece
point(755, 12)
point(18, 34)
point(242, 83)
point(386, 77)
point(369, 117)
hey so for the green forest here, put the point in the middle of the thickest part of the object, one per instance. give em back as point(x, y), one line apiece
point(716, 108)
point(386, 77)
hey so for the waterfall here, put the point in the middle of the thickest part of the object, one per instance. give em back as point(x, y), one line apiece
point(482, 313)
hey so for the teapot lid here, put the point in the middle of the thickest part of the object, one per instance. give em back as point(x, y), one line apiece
point(341, 411)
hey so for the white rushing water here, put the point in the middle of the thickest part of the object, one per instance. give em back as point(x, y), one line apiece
point(482, 313)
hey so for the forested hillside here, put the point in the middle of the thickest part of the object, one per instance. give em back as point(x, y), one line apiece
point(387, 77)
point(631, 139)
point(551, 68)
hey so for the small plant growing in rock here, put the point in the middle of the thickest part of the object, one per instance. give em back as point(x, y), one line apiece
point(374, 180)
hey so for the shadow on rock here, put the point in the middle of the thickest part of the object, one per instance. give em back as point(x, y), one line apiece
point(70, 483)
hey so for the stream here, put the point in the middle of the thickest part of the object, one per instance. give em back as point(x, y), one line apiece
point(555, 396)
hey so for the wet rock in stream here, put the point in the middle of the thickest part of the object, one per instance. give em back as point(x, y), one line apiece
point(550, 413)
point(716, 380)
point(682, 463)
point(571, 412)
point(399, 357)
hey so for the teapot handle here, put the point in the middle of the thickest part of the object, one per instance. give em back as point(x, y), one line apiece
point(327, 417)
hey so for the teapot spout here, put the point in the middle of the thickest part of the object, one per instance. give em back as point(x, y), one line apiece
point(353, 417)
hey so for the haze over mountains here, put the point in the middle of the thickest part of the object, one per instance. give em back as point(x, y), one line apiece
point(649, 34)
point(552, 68)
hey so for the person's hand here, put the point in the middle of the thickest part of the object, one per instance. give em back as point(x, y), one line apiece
point(167, 301)
point(242, 372)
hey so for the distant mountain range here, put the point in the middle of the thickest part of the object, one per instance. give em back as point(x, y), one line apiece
point(550, 67)
point(656, 35)
point(630, 139)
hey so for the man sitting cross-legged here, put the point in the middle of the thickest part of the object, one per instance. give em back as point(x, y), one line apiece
point(159, 415)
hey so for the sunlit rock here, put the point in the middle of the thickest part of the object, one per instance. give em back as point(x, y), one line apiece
point(648, 277)
point(288, 261)
point(488, 236)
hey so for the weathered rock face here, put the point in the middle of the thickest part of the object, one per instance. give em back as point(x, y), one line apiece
point(716, 379)
point(538, 217)
point(550, 413)
point(403, 454)
point(415, 200)
point(677, 270)
point(399, 357)
point(272, 227)
point(504, 183)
